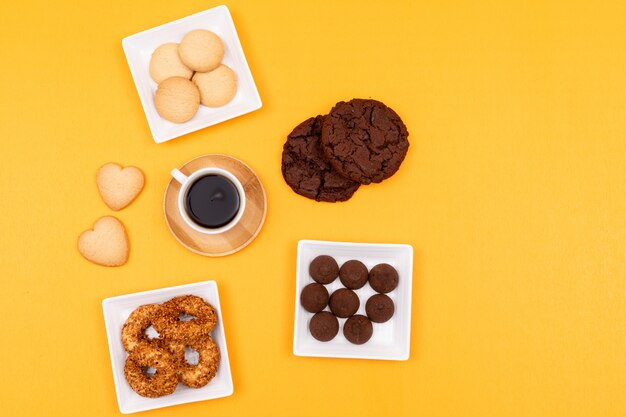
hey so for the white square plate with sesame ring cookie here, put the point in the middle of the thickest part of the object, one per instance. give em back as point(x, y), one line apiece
point(116, 311)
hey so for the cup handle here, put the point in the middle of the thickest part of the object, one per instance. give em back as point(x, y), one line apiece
point(178, 176)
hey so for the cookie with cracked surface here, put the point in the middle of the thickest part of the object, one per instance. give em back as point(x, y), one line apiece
point(306, 170)
point(364, 140)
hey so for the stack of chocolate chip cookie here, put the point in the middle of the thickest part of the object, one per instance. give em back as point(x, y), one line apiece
point(327, 158)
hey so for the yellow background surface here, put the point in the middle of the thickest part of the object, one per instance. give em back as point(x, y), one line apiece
point(513, 195)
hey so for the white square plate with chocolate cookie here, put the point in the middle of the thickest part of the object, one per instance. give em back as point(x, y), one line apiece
point(116, 312)
point(375, 330)
point(139, 48)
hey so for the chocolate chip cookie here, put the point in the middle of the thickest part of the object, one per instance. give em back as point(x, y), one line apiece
point(364, 140)
point(306, 169)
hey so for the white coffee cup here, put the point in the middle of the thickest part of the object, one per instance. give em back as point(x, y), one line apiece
point(186, 182)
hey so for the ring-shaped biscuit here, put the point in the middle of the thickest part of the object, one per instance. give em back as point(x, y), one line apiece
point(134, 330)
point(196, 376)
point(171, 327)
point(164, 380)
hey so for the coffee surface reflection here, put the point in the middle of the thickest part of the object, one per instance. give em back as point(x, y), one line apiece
point(212, 201)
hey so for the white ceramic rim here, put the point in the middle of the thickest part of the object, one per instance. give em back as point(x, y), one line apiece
point(400, 351)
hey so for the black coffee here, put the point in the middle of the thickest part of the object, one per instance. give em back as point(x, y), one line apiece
point(212, 201)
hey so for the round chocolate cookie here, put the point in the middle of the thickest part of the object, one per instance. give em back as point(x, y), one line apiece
point(358, 329)
point(324, 269)
point(324, 326)
point(306, 169)
point(364, 140)
point(383, 278)
point(353, 274)
point(379, 308)
point(344, 303)
point(314, 297)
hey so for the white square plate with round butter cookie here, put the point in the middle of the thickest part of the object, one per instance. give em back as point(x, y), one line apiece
point(139, 48)
point(117, 310)
point(389, 340)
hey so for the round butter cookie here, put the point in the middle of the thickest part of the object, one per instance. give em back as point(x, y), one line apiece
point(201, 50)
point(166, 63)
point(217, 87)
point(177, 99)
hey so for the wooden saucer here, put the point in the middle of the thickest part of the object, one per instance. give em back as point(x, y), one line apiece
point(234, 239)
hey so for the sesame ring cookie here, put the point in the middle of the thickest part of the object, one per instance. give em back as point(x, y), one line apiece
point(164, 380)
point(166, 63)
point(201, 50)
point(200, 374)
point(170, 327)
point(217, 87)
point(133, 332)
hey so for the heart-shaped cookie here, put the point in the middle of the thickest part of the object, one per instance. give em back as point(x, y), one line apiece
point(119, 186)
point(106, 244)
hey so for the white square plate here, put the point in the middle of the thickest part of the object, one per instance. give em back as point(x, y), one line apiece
point(117, 310)
point(139, 47)
point(391, 340)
